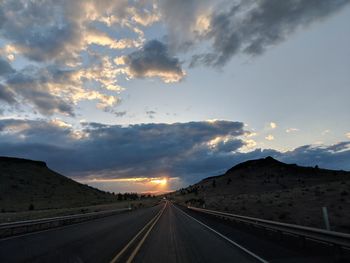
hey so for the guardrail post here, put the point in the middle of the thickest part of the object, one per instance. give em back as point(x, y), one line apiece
point(325, 218)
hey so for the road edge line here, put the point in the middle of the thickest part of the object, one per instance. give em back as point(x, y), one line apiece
point(225, 237)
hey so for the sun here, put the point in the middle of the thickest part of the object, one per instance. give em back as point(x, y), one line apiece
point(160, 181)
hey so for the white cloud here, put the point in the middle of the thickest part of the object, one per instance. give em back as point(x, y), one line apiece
point(61, 124)
point(101, 38)
point(290, 130)
point(270, 137)
point(273, 125)
point(248, 146)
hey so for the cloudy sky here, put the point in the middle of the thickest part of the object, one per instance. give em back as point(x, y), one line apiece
point(122, 94)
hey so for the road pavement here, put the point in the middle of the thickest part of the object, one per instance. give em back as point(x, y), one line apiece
point(163, 233)
point(92, 241)
point(177, 237)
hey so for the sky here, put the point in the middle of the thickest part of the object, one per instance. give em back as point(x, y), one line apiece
point(151, 96)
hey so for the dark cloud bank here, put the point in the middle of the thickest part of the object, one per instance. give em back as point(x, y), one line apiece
point(242, 26)
point(265, 23)
point(179, 149)
point(154, 60)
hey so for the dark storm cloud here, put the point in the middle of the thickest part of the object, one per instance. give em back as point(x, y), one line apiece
point(253, 26)
point(7, 95)
point(229, 146)
point(139, 149)
point(34, 131)
point(5, 67)
point(334, 157)
point(179, 149)
point(48, 105)
point(32, 85)
point(154, 60)
point(41, 30)
point(179, 17)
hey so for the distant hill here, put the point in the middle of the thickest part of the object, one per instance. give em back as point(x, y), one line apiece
point(268, 188)
point(31, 185)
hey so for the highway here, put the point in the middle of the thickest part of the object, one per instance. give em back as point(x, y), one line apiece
point(164, 233)
point(179, 238)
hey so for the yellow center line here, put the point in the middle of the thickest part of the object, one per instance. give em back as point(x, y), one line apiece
point(133, 254)
point(154, 219)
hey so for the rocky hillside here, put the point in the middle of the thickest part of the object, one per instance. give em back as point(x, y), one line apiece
point(267, 188)
point(31, 185)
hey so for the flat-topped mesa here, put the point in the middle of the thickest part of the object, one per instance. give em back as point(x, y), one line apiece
point(270, 165)
point(13, 160)
point(31, 185)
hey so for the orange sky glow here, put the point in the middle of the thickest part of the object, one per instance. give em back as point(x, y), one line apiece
point(150, 185)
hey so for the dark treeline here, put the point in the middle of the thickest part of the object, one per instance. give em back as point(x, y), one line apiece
point(133, 196)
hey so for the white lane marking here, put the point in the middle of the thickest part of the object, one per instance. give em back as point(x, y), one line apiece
point(225, 237)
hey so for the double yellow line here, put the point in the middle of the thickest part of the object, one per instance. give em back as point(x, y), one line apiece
point(150, 226)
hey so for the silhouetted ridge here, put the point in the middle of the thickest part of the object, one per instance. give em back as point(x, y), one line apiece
point(270, 167)
point(269, 189)
point(259, 163)
point(14, 160)
point(31, 185)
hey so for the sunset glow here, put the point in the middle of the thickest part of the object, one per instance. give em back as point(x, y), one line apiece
point(162, 181)
point(154, 185)
point(143, 180)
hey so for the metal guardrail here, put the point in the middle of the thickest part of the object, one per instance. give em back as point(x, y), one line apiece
point(320, 235)
point(23, 227)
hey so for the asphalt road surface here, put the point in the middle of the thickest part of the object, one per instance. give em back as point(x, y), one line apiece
point(164, 233)
point(92, 241)
point(177, 237)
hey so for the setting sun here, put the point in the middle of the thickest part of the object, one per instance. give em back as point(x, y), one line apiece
point(162, 181)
